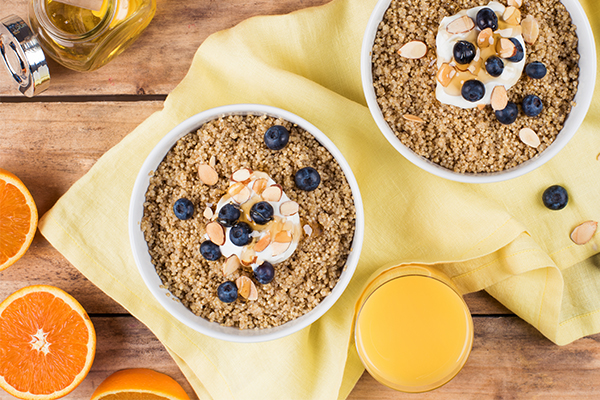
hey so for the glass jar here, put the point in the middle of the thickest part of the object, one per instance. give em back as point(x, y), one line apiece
point(412, 329)
point(82, 35)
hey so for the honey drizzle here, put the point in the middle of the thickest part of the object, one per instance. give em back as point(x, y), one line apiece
point(463, 74)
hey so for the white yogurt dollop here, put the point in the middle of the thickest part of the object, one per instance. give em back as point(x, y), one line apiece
point(445, 42)
point(290, 224)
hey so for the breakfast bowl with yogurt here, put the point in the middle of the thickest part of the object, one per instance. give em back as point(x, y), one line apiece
point(246, 223)
point(475, 90)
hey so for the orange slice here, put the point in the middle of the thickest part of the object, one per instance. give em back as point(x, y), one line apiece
point(18, 219)
point(139, 384)
point(47, 343)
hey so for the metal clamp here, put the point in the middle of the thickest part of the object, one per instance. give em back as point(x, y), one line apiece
point(23, 56)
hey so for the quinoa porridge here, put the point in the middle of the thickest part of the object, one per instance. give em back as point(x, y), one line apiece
point(222, 205)
point(487, 134)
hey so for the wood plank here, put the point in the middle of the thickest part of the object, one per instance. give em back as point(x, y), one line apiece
point(49, 146)
point(170, 41)
point(44, 265)
point(533, 368)
point(511, 360)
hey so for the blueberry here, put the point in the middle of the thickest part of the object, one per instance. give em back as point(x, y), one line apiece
point(536, 70)
point(264, 273)
point(239, 234)
point(307, 179)
point(228, 215)
point(520, 53)
point(261, 212)
point(277, 137)
point(183, 208)
point(464, 52)
point(532, 105)
point(555, 197)
point(210, 251)
point(486, 18)
point(508, 115)
point(494, 66)
point(473, 90)
point(227, 292)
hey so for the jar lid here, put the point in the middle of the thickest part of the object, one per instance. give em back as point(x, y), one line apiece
point(23, 56)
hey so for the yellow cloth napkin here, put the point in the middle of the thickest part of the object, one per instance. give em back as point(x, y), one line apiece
point(496, 237)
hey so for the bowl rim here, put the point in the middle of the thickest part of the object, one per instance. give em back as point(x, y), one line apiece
point(147, 270)
point(583, 98)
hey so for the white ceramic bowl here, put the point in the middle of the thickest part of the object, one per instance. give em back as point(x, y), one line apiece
point(583, 98)
point(140, 247)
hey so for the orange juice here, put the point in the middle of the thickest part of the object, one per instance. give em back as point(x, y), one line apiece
point(413, 330)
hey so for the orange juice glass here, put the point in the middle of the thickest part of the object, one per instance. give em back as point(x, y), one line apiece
point(412, 328)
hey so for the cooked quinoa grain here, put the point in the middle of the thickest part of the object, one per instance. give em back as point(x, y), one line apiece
point(302, 281)
point(470, 140)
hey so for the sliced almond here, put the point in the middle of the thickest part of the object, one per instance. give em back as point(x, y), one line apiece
point(288, 208)
point(248, 256)
point(262, 244)
point(413, 50)
point(445, 74)
point(515, 3)
point(529, 137)
point(477, 55)
point(283, 237)
point(213, 161)
point(253, 292)
point(207, 174)
point(272, 193)
point(531, 29)
point(241, 175)
point(242, 196)
point(231, 265)
point(499, 98)
point(278, 248)
point(463, 24)
point(413, 118)
point(246, 288)
point(216, 233)
point(260, 185)
point(584, 232)
point(460, 25)
point(481, 107)
point(512, 15)
point(208, 213)
point(307, 229)
point(505, 48)
point(483, 39)
point(235, 189)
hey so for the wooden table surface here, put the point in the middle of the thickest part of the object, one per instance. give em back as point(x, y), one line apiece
point(53, 140)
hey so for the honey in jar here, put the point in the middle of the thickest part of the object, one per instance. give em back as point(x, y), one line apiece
point(82, 35)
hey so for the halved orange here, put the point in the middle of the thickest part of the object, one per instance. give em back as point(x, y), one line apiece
point(18, 219)
point(47, 343)
point(139, 384)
